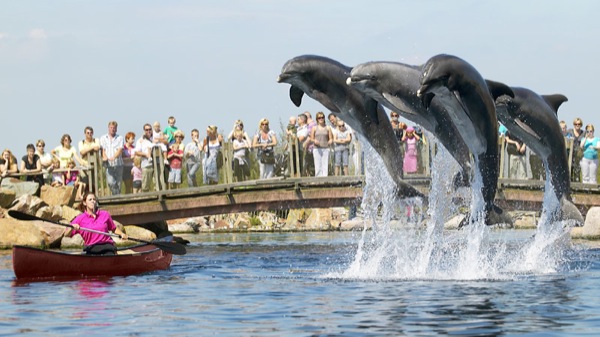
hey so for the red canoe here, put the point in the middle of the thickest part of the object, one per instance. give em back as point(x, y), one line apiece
point(34, 263)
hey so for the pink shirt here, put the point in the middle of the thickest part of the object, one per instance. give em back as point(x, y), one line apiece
point(136, 172)
point(103, 222)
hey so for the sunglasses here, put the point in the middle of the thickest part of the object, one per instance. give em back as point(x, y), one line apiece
point(589, 131)
point(577, 124)
point(264, 124)
point(147, 129)
point(321, 117)
point(394, 115)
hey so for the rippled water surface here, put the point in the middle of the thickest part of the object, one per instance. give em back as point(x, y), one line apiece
point(286, 284)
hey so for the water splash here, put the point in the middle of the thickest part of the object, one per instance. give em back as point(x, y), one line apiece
point(400, 249)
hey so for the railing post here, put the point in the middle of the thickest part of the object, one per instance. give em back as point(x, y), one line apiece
point(227, 152)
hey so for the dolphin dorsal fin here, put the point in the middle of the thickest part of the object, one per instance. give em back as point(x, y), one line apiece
point(554, 101)
point(498, 89)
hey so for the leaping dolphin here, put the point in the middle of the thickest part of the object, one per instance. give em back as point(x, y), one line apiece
point(324, 80)
point(395, 86)
point(533, 119)
point(464, 93)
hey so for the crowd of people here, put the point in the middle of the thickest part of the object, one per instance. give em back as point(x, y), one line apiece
point(584, 159)
point(128, 161)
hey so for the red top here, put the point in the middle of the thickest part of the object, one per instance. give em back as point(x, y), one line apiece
point(175, 161)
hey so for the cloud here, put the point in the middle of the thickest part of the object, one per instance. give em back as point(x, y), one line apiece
point(38, 34)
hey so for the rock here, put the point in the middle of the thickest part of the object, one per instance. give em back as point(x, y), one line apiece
point(76, 241)
point(135, 232)
point(7, 196)
point(221, 224)
point(69, 213)
point(186, 227)
point(63, 195)
point(29, 233)
point(28, 204)
point(319, 219)
point(295, 218)
point(242, 221)
point(51, 213)
point(454, 222)
point(525, 220)
point(20, 187)
point(353, 224)
point(591, 227)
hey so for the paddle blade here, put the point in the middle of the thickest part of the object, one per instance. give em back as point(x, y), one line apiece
point(23, 216)
point(170, 247)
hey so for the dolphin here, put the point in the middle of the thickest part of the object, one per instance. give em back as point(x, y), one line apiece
point(460, 87)
point(324, 80)
point(395, 85)
point(533, 119)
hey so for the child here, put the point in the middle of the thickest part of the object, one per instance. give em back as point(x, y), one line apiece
point(241, 169)
point(175, 157)
point(136, 173)
point(170, 130)
point(57, 177)
point(71, 178)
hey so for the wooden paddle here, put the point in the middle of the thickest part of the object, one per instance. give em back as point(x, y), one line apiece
point(169, 247)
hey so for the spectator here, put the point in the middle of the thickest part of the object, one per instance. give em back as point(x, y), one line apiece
point(241, 146)
point(342, 138)
point(238, 125)
point(89, 147)
point(309, 159)
point(57, 177)
point(321, 137)
point(112, 155)
point(170, 130)
point(71, 178)
point(397, 126)
point(589, 163)
point(143, 149)
point(332, 121)
point(8, 163)
point(65, 152)
point(563, 129)
point(410, 139)
point(30, 163)
point(45, 160)
point(501, 129)
point(175, 157)
point(128, 154)
point(303, 138)
point(578, 135)
point(159, 138)
point(515, 148)
point(290, 146)
point(211, 147)
point(136, 173)
point(192, 154)
point(265, 141)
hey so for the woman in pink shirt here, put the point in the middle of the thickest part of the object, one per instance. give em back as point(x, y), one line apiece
point(96, 219)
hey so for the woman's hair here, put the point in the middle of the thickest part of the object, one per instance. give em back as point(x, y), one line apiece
point(65, 136)
point(589, 127)
point(237, 133)
point(137, 161)
point(83, 199)
point(129, 135)
point(577, 121)
point(11, 158)
point(30, 146)
point(263, 120)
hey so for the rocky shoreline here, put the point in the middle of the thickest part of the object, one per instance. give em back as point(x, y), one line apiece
point(57, 204)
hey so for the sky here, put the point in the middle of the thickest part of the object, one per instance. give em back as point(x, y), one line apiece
point(65, 64)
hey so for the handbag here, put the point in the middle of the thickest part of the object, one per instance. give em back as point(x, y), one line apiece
point(267, 157)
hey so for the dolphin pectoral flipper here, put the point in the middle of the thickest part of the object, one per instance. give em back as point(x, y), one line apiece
point(399, 103)
point(325, 100)
point(498, 89)
point(570, 212)
point(527, 128)
point(296, 95)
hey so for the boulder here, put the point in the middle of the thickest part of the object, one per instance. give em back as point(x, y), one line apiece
point(186, 227)
point(7, 196)
point(591, 227)
point(454, 222)
point(525, 220)
point(76, 241)
point(20, 187)
point(295, 218)
point(319, 219)
point(353, 224)
point(29, 233)
point(29, 204)
point(135, 232)
point(63, 195)
point(51, 213)
point(221, 225)
point(69, 213)
point(242, 221)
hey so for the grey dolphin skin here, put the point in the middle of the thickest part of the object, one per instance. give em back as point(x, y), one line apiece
point(395, 86)
point(465, 95)
point(533, 119)
point(324, 80)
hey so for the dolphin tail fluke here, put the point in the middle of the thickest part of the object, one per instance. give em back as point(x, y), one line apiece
point(570, 212)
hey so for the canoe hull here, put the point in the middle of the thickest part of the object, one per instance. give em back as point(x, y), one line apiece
point(34, 263)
